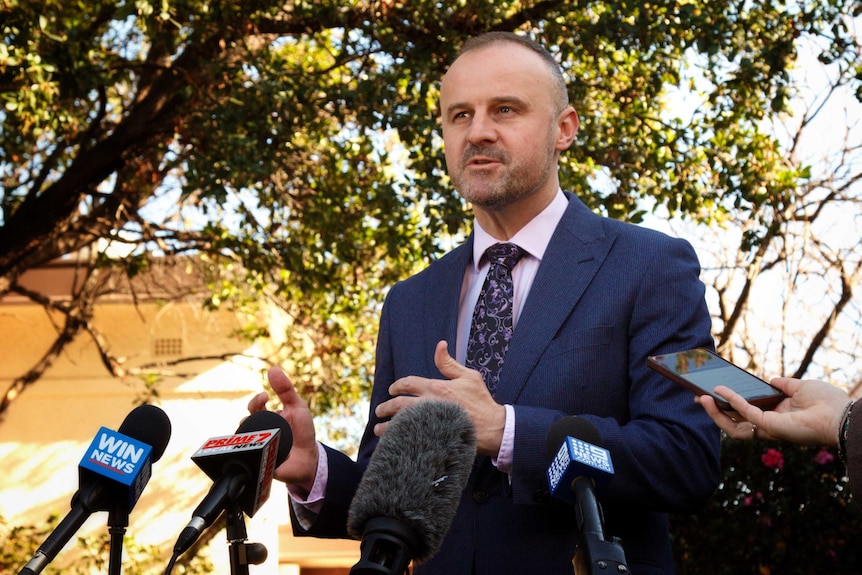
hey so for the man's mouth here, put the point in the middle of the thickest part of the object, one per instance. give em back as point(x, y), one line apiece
point(482, 161)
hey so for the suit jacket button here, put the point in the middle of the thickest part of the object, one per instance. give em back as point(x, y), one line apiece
point(480, 496)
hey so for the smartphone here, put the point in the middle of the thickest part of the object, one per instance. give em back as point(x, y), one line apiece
point(701, 370)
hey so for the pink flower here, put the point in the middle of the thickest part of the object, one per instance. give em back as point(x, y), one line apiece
point(773, 459)
point(823, 457)
point(750, 500)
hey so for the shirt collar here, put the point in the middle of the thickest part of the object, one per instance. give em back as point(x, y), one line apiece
point(533, 238)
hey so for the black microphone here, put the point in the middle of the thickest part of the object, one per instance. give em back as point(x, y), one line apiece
point(242, 466)
point(114, 471)
point(409, 493)
point(579, 464)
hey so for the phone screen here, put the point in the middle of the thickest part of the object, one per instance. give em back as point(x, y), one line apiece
point(701, 371)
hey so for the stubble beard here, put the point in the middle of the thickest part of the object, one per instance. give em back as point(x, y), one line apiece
point(495, 192)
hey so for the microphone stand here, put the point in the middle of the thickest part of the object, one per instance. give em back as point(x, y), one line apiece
point(87, 500)
point(118, 520)
point(594, 553)
point(242, 554)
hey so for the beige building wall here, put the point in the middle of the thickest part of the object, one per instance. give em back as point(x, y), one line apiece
point(46, 431)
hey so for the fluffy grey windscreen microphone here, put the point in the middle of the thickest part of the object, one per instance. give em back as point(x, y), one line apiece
point(417, 473)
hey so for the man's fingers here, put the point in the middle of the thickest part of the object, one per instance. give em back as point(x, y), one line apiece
point(279, 381)
point(380, 428)
point(447, 365)
point(258, 402)
point(389, 408)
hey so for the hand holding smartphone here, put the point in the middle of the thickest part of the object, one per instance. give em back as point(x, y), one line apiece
point(701, 370)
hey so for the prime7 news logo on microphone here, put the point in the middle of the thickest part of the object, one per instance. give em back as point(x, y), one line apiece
point(256, 451)
point(119, 458)
point(578, 458)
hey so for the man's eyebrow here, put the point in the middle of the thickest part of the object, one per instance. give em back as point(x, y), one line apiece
point(516, 100)
point(496, 101)
point(456, 106)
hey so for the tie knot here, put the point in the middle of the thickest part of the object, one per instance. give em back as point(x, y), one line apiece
point(504, 254)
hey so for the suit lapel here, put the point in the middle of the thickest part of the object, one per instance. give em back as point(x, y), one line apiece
point(576, 251)
point(442, 298)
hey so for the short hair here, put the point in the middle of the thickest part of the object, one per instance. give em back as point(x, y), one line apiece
point(489, 38)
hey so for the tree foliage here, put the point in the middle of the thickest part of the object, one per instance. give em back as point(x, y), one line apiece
point(293, 146)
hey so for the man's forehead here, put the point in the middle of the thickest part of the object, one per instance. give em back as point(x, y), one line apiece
point(483, 56)
point(494, 74)
point(502, 59)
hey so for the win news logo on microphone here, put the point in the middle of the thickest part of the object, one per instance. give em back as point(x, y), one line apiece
point(119, 458)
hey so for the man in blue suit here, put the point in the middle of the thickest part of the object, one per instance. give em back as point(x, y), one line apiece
point(593, 297)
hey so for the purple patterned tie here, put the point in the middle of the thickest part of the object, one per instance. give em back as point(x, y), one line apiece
point(492, 319)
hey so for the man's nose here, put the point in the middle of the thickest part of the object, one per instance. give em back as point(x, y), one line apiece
point(482, 129)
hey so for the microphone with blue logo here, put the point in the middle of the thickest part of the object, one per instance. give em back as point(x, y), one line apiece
point(578, 466)
point(111, 477)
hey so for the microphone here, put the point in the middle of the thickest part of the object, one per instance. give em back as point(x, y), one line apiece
point(580, 464)
point(410, 491)
point(242, 466)
point(114, 471)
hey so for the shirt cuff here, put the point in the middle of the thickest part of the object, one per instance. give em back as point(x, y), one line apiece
point(503, 461)
point(307, 507)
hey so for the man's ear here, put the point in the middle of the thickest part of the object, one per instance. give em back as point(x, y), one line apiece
point(568, 124)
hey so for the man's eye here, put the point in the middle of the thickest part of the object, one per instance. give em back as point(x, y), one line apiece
point(505, 109)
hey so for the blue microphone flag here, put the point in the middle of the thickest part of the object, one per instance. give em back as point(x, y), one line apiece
point(577, 458)
point(119, 458)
